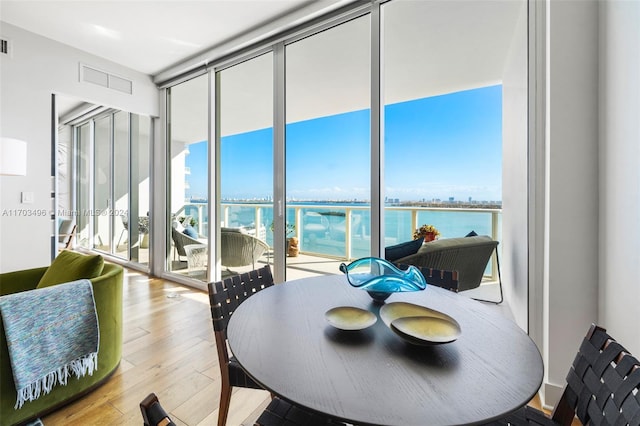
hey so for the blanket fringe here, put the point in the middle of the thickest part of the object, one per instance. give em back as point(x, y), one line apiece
point(78, 367)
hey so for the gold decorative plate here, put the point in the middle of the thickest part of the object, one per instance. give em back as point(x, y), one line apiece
point(425, 332)
point(350, 318)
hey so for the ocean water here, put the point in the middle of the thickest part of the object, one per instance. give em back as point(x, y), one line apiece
point(321, 226)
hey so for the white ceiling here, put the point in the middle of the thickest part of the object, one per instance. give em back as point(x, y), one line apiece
point(430, 47)
point(146, 35)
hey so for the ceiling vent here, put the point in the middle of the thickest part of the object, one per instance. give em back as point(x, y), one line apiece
point(102, 78)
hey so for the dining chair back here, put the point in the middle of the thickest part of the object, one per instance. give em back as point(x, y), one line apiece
point(603, 387)
point(152, 412)
point(281, 413)
point(224, 297)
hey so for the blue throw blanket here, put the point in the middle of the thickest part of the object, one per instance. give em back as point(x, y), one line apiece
point(51, 333)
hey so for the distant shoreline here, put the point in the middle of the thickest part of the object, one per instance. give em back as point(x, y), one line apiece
point(428, 204)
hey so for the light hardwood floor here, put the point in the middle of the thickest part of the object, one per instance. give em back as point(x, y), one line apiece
point(168, 349)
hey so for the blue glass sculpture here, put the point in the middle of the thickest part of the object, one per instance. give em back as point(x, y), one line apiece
point(380, 278)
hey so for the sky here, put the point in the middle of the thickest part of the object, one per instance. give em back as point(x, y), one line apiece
point(435, 148)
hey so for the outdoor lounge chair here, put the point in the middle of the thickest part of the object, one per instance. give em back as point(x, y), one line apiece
point(467, 255)
point(240, 249)
point(440, 278)
point(181, 240)
point(66, 232)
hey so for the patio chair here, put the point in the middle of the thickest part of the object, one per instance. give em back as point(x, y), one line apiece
point(180, 241)
point(441, 278)
point(66, 232)
point(224, 297)
point(240, 249)
point(467, 255)
point(603, 388)
point(125, 229)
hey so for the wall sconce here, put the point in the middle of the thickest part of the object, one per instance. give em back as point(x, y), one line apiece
point(13, 157)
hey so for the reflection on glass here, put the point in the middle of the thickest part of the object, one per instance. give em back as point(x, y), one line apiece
point(102, 184)
point(113, 164)
point(188, 183)
point(140, 175)
point(119, 215)
point(83, 232)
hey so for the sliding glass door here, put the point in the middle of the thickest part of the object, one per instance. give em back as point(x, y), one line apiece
point(112, 191)
point(245, 166)
point(84, 183)
point(327, 143)
point(187, 225)
point(301, 124)
point(443, 99)
point(102, 179)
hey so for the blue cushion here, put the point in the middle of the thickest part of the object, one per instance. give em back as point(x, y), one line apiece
point(393, 253)
point(189, 231)
point(471, 234)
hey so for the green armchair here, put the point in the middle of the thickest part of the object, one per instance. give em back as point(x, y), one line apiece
point(107, 289)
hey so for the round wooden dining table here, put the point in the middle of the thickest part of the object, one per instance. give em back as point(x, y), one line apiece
point(281, 337)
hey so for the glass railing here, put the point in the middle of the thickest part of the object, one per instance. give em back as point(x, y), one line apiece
point(342, 231)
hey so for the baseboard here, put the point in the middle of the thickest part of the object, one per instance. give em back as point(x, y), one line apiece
point(549, 395)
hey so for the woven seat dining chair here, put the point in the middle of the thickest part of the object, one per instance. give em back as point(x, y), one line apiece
point(281, 413)
point(224, 297)
point(603, 388)
point(152, 412)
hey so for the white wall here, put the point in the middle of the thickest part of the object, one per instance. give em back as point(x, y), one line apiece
point(37, 68)
point(619, 301)
point(514, 255)
point(593, 179)
point(571, 287)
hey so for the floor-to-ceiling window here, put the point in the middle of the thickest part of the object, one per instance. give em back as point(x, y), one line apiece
point(328, 143)
point(102, 180)
point(245, 116)
point(187, 179)
point(140, 187)
point(112, 206)
point(84, 149)
point(442, 66)
point(120, 219)
point(443, 115)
